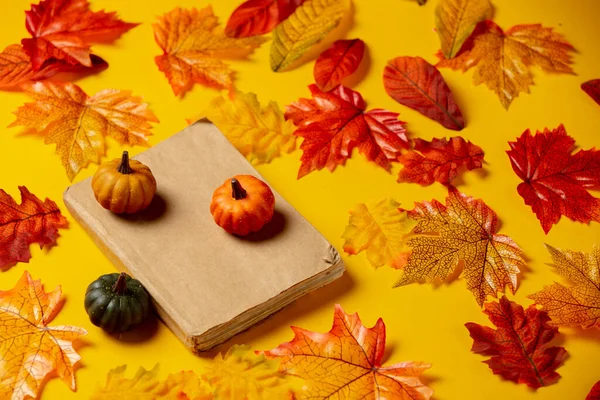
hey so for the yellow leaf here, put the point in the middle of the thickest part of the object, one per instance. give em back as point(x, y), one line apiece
point(307, 26)
point(143, 386)
point(455, 21)
point(260, 134)
point(188, 387)
point(380, 230)
point(29, 349)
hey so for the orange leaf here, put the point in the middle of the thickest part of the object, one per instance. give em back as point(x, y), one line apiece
point(338, 62)
point(345, 363)
point(32, 221)
point(77, 123)
point(578, 305)
point(462, 231)
point(193, 46)
point(29, 349)
point(257, 17)
point(64, 30)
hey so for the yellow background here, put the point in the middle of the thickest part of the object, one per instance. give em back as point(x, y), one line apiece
point(423, 323)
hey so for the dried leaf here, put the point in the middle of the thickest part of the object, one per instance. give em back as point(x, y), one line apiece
point(188, 386)
point(380, 230)
point(592, 88)
point(439, 160)
point(594, 393)
point(307, 26)
point(29, 349)
point(462, 231)
point(577, 305)
point(260, 134)
point(556, 182)
point(455, 20)
point(21, 225)
point(77, 123)
point(338, 62)
point(334, 123)
point(502, 59)
point(194, 46)
point(345, 363)
point(144, 385)
point(257, 17)
point(415, 83)
point(65, 29)
point(519, 347)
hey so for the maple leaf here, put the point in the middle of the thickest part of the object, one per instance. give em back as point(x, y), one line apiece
point(334, 123)
point(455, 20)
point(259, 133)
point(462, 231)
point(592, 88)
point(29, 349)
point(379, 229)
point(64, 30)
point(345, 363)
point(257, 17)
point(578, 305)
point(502, 59)
point(438, 160)
point(594, 392)
point(555, 182)
point(519, 347)
point(77, 123)
point(32, 221)
point(338, 62)
point(415, 83)
point(193, 47)
point(307, 26)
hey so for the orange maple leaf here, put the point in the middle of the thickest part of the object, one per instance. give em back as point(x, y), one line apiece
point(77, 123)
point(345, 363)
point(193, 46)
point(29, 349)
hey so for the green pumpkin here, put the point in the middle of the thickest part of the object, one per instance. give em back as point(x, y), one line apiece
point(117, 302)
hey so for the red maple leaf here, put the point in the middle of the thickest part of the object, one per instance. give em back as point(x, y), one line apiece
point(338, 62)
point(555, 182)
point(32, 221)
point(64, 30)
point(594, 393)
point(593, 89)
point(334, 123)
point(519, 347)
point(257, 17)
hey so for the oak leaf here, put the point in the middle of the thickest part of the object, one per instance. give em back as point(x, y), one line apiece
point(187, 386)
point(577, 305)
point(380, 230)
point(307, 26)
point(439, 160)
point(30, 350)
point(259, 133)
point(555, 181)
point(592, 88)
point(519, 348)
point(144, 385)
point(463, 231)
point(338, 62)
point(334, 123)
point(415, 83)
point(502, 60)
point(345, 363)
point(77, 123)
point(257, 17)
point(32, 221)
point(594, 393)
point(65, 29)
point(194, 46)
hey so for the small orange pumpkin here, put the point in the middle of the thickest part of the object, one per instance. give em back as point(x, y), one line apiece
point(124, 185)
point(242, 204)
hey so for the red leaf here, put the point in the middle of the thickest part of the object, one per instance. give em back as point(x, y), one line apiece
point(338, 62)
point(415, 83)
point(594, 393)
point(334, 123)
point(257, 17)
point(555, 182)
point(593, 89)
point(519, 348)
point(64, 30)
point(439, 160)
point(32, 221)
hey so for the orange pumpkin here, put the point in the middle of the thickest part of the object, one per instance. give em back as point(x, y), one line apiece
point(123, 185)
point(242, 204)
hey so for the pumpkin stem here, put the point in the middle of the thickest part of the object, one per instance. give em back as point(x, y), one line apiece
point(124, 167)
point(237, 191)
point(120, 286)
